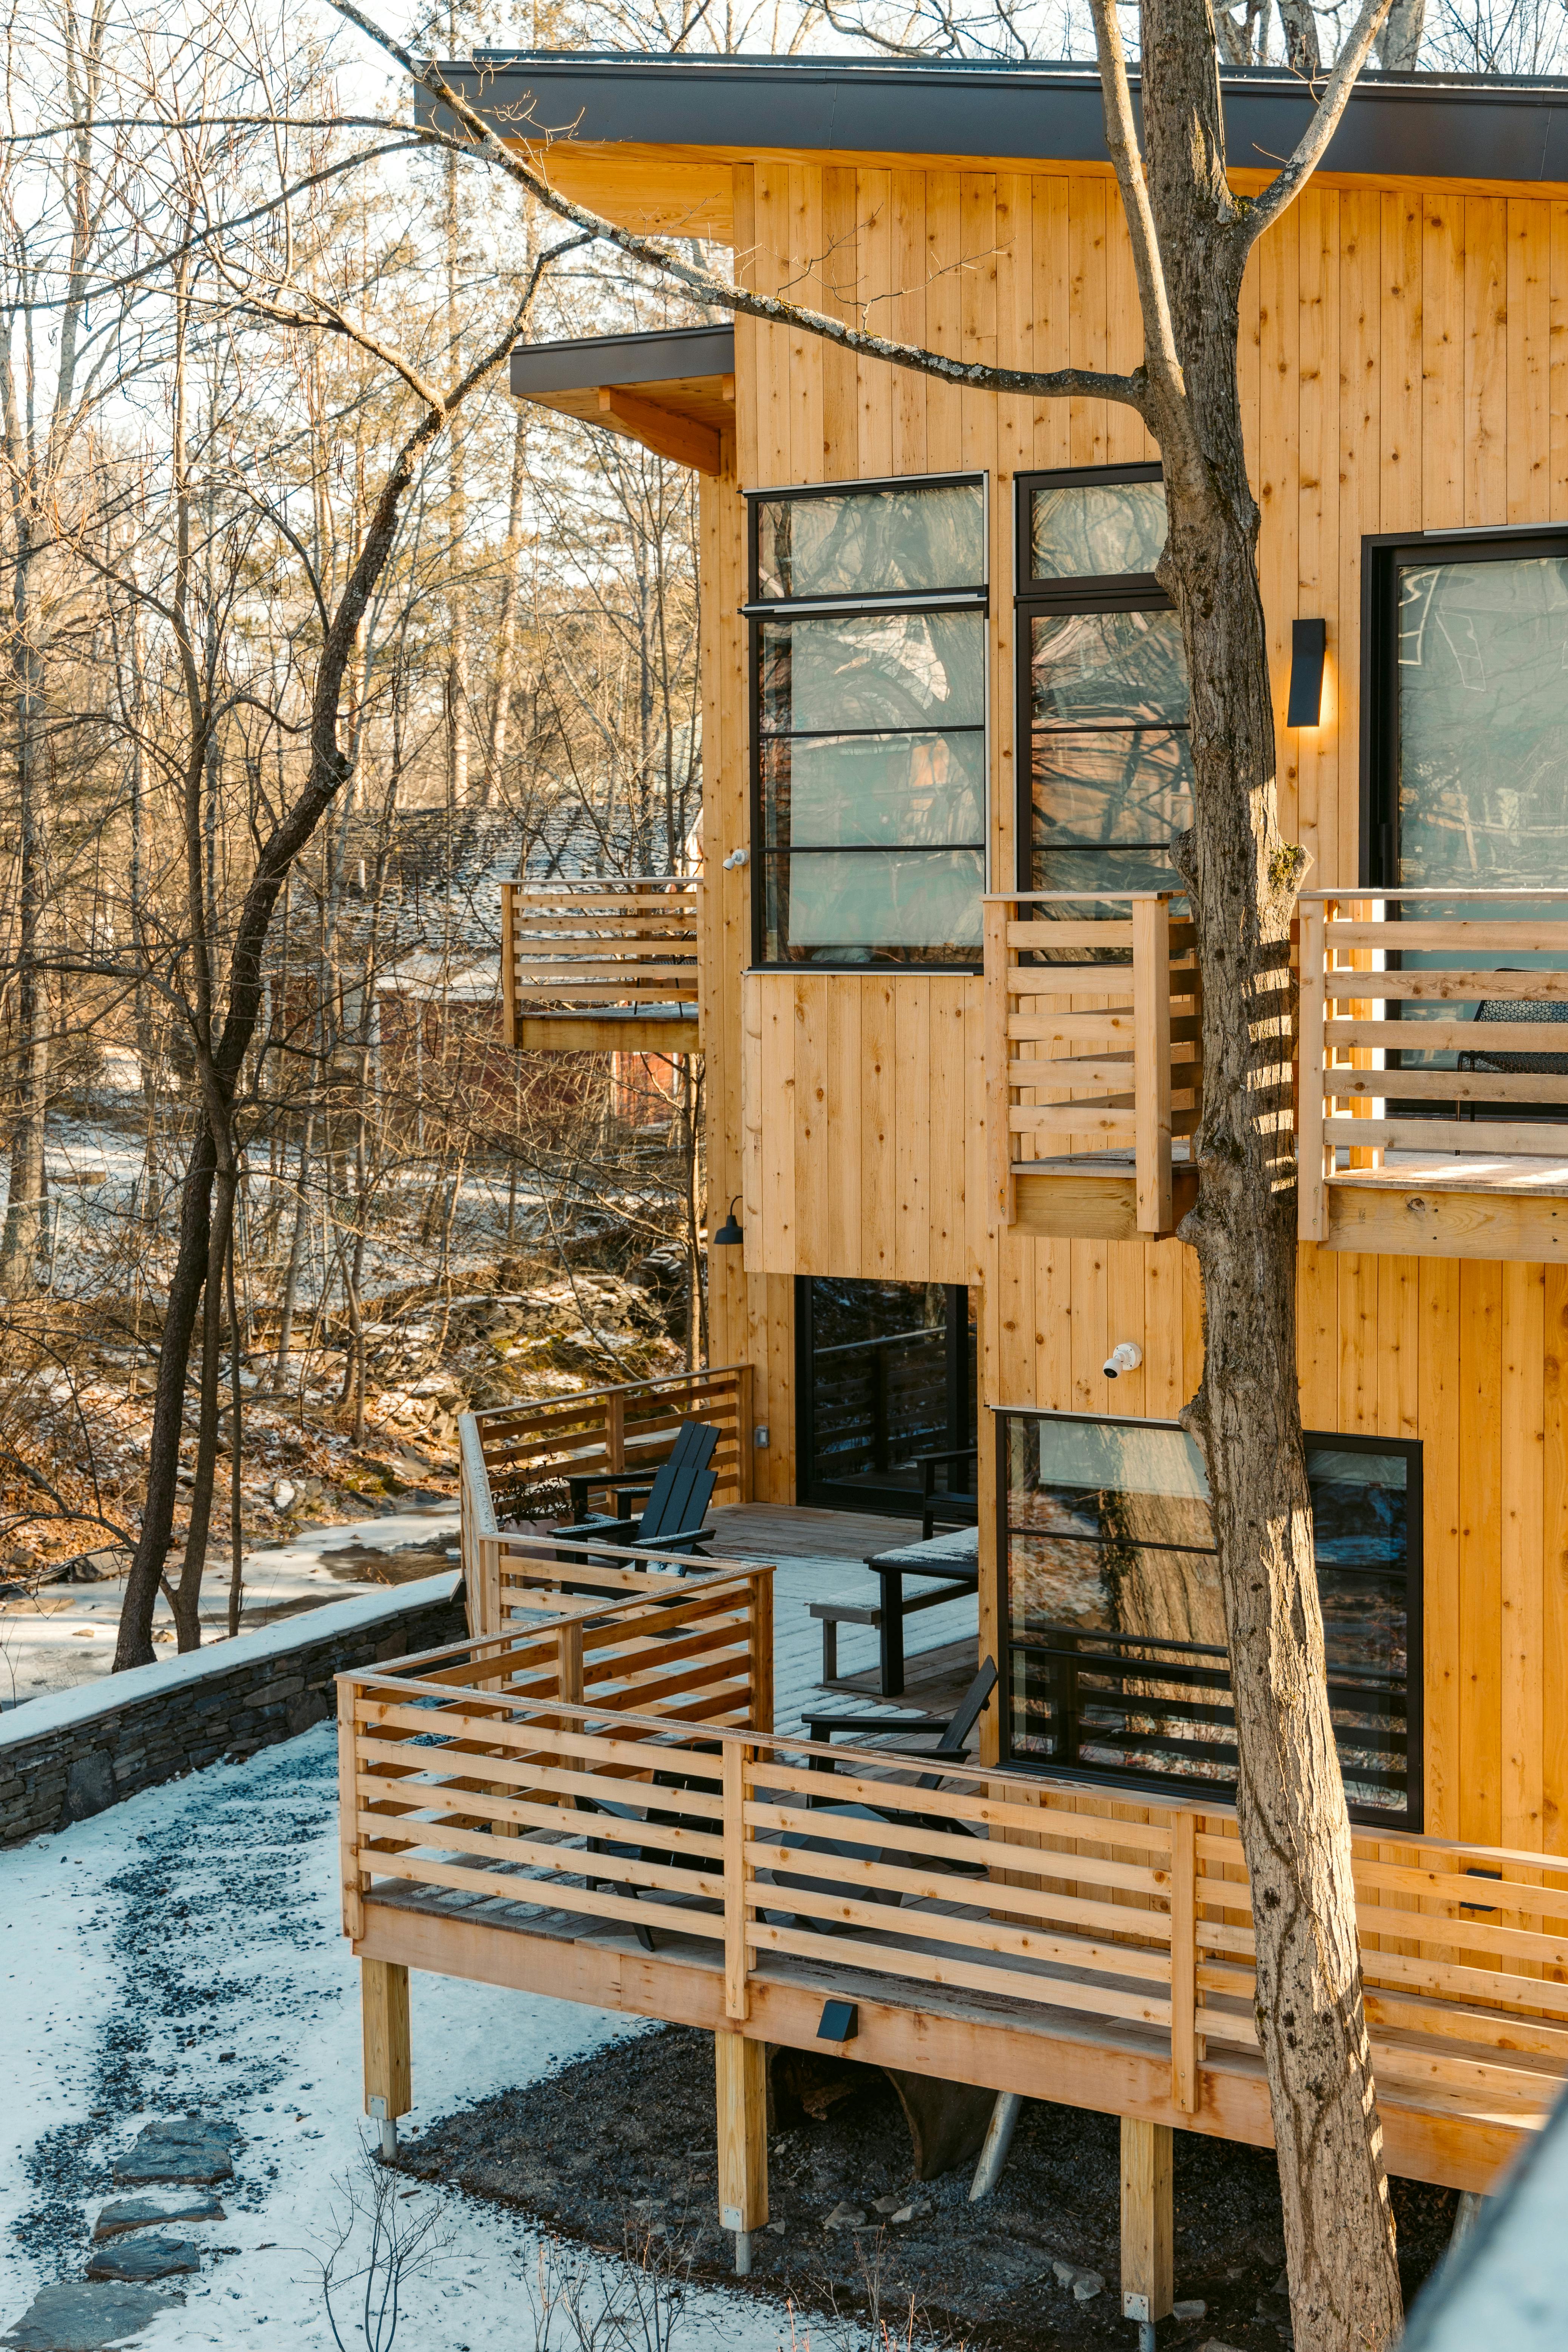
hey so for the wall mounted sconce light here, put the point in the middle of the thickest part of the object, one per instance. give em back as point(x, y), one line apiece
point(731, 1232)
point(1308, 646)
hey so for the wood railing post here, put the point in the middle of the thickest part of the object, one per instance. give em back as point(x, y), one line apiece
point(743, 1466)
point(1152, 1059)
point(615, 1431)
point(998, 1090)
point(353, 1878)
point(1311, 1053)
point(569, 1664)
point(737, 1761)
point(1148, 2263)
point(388, 2068)
point(1183, 1962)
point(760, 1613)
point(740, 2081)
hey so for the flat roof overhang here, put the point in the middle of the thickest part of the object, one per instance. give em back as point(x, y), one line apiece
point(673, 390)
point(651, 140)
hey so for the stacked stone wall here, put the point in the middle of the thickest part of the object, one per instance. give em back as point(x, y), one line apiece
point(225, 1701)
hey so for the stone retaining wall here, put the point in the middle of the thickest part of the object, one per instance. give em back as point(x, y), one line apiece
point(70, 1755)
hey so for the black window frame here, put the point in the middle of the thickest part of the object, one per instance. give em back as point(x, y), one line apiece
point(757, 610)
point(1097, 592)
point(1411, 1822)
point(1382, 556)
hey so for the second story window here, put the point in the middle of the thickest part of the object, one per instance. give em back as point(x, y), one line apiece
point(868, 682)
point(1102, 685)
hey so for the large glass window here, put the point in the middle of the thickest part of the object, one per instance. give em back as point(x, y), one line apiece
point(869, 650)
point(1466, 697)
point(1102, 702)
point(1474, 701)
point(1115, 1647)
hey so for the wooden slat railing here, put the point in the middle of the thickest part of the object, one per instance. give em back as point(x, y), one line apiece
point(604, 945)
point(1092, 1038)
point(1044, 1897)
point(519, 1575)
point(515, 1460)
point(1367, 954)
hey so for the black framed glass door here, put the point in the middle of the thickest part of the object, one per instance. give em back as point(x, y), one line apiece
point(885, 1375)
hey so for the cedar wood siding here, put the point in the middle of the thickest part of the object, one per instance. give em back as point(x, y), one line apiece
point(1404, 366)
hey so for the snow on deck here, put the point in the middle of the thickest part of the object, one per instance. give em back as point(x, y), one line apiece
point(182, 1952)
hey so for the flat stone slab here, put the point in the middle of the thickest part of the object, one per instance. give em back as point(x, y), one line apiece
point(145, 2258)
point(183, 2149)
point(146, 2212)
point(67, 2318)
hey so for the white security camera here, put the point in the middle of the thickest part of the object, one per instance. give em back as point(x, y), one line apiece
point(1125, 1357)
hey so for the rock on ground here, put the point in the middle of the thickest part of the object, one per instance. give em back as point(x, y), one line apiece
point(145, 2258)
point(190, 2150)
point(146, 2212)
point(67, 2318)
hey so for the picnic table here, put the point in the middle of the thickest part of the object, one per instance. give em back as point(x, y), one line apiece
point(949, 1564)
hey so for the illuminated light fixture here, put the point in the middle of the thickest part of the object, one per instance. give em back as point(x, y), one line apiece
point(730, 1233)
point(1308, 646)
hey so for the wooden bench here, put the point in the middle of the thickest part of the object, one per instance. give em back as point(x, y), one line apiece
point(846, 1611)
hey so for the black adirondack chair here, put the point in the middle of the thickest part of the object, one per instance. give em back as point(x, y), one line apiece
point(676, 1501)
point(951, 1732)
point(632, 1848)
point(956, 1503)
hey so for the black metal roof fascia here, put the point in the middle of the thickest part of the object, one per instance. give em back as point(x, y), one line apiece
point(1417, 126)
point(589, 360)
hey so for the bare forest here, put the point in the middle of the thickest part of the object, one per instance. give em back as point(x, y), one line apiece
point(313, 634)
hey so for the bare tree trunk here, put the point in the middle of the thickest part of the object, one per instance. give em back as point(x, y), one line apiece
point(457, 593)
point(1242, 879)
point(1399, 42)
point(506, 630)
point(25, 1207)
point(296, 1261)
point(236, 1457)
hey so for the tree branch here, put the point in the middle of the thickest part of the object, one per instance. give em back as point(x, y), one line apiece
point(1282, 192)
point(1161, 357)
point(1079, 383)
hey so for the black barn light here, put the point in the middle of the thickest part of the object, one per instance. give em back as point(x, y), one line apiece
point(731, 1233)
point(1308, 644)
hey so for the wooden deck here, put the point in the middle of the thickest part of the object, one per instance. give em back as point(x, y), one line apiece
point(789, 1531)
point(518, 1808)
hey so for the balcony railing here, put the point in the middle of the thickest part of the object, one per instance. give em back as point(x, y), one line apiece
point(509, 1770)
point(1433, 1100)
point(516, 1461)
point(1092, 1057)
point(604, 964)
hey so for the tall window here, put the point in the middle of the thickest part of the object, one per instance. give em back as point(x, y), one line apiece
point(1468, 709)
point(1117, 1663)
point(869, 666)
point(1102, 684)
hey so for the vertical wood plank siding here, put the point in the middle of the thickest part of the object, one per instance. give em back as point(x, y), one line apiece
point(1404, 365)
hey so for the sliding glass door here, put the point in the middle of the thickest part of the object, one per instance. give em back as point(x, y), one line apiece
point(885, 1377)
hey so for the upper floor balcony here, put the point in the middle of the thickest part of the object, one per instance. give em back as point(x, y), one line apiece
point(1433, 1110)
point(603, 965)
point(1094, 1063)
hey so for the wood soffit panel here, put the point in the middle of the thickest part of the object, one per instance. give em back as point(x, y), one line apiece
point(687, 192)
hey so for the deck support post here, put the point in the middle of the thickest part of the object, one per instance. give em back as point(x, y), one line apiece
point(1147, 2258)
point(740, 2080)
point(388, 2077)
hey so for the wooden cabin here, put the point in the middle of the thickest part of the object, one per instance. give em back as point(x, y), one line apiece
point(945, 997)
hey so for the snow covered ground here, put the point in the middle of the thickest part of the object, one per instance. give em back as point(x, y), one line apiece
point(182, 1953)
point(64, 1634)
